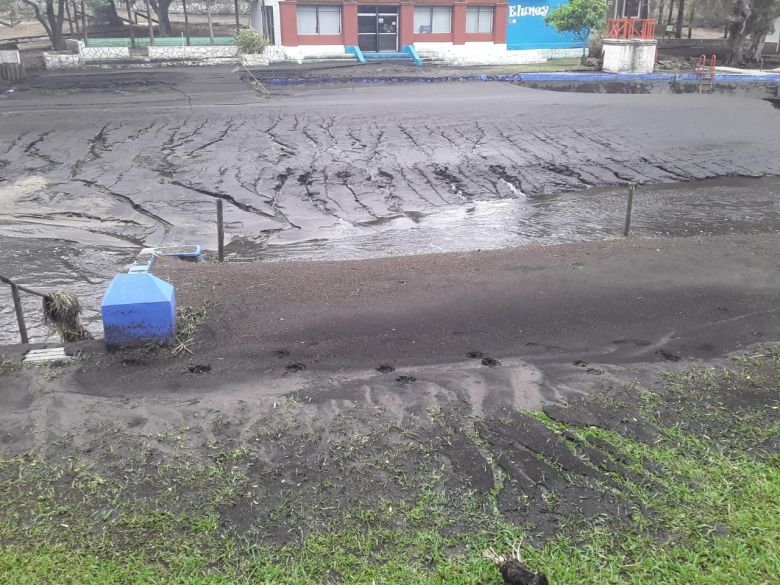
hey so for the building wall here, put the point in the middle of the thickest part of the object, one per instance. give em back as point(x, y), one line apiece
point(519, 34)
point(256, 15)
point(406, 34)
point(775, 36)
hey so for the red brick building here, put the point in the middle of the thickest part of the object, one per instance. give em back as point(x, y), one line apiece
point(456, 31)
point(379, 26)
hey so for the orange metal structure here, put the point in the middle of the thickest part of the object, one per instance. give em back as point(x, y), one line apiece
point(630, 28)
point(705, 69)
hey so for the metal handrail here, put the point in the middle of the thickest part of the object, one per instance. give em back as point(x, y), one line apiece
point(630, 28)
point(15, 288)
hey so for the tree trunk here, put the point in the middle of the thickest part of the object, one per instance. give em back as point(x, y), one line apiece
point(738, 31)
point(756, 47)
point(130, 22)
point(211, 23)
point(264, 13)
point(112, 14)
point(162, 8)
point(680, 15)
point(50, 20)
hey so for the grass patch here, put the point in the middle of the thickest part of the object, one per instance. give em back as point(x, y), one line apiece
point(710, 513)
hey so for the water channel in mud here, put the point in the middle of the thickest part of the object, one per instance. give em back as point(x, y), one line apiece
point(52, 251)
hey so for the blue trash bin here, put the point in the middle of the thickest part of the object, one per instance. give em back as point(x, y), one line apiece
point(139, 309)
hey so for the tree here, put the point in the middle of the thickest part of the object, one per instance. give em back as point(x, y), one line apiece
point(211, 23)
point(51, 19)
point(8, 15)
point(105, 12)
point(741, 11)
point(579, 18)
point(761, 23)
point(680, 16)
point(754, 19)
point(161, 8)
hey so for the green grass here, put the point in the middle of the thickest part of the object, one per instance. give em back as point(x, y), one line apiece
point(710, 516)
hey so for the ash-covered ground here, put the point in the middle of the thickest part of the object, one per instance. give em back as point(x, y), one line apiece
point(95, 165)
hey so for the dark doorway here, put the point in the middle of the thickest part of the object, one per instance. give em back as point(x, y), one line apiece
point(378, 28)
point(269, 19)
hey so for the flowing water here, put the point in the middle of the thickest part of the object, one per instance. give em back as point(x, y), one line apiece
point(54, 252)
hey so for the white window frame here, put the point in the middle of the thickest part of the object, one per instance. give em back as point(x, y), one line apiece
point(483, 12)
point(430, 10)
point(316, 9)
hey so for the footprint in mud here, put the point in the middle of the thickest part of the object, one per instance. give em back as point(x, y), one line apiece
point(126, 363)
point(594, 371)
point(405, 379)
point(199, 369)
point(280, 353)
point(385, 369)
point(637, 342)
point(295, 367)
point(668, 356)
point(580, 363)
point(475, 355)
point(490, 362)
point(136, 421)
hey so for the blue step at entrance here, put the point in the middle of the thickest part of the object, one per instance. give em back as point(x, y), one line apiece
point(387, 56)
point(407, 54)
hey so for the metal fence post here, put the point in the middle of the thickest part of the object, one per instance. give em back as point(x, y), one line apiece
point(220, 232)
point(19, 313)
point(631, 187)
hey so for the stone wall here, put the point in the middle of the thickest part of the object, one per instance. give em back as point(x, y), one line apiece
point(254, 60)
point(10, 57)
point(629, 55)
point(104, 53)
point(62, 60)
point(275, 54)
point(201, 52)
point(89, 54)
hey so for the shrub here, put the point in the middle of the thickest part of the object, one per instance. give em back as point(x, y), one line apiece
point(251, 42)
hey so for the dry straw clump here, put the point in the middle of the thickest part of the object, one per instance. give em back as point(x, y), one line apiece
point(63, 311)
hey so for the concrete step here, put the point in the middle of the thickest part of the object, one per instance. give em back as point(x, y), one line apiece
point(49, 354)
point(387, 56)
point(333, 58)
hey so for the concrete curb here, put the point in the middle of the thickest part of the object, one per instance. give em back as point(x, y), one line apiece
point(523, 77)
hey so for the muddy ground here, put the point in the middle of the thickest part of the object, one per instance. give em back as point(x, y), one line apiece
point(291, 463)
point(358, 384)
point(94, 165)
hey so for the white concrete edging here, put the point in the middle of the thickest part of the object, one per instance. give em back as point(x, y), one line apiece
point(629, 55)
point(162, 53)
point(62, 60)
point(254, 59)
point(10, 57)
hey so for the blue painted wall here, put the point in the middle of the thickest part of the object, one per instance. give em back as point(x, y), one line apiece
point(526, 28)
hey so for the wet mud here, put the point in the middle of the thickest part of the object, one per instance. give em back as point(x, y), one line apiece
point(340, 173)
point(307, 448)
